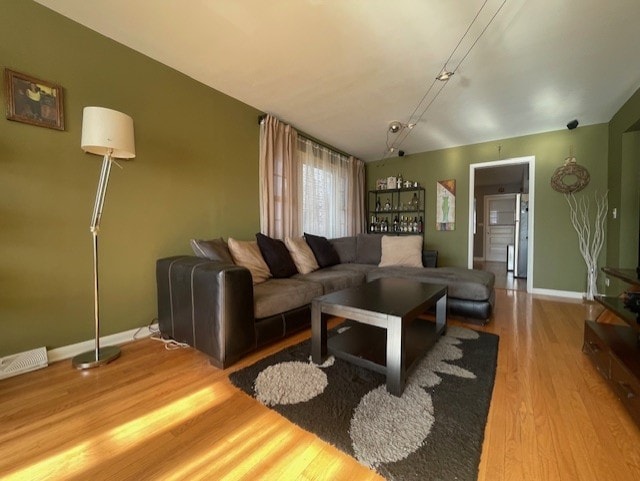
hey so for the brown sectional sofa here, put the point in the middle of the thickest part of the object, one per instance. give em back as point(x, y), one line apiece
point(214, 307)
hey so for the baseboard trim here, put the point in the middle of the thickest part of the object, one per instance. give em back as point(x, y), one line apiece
point(67, 352)
point(557, 293)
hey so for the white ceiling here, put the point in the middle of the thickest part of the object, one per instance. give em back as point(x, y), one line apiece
point(341, 70)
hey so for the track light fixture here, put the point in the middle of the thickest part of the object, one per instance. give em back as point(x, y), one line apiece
point(445, 74)
point(396, 126)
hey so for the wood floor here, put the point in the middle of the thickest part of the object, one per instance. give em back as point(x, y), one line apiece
point(158, 414)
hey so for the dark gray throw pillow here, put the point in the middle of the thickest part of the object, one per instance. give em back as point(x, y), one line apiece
point(325, 253)
point(277, 256)
point(214, 249)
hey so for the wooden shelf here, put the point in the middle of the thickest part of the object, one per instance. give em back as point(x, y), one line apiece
point(628, 275)
point(615, 349)
point(616, 304)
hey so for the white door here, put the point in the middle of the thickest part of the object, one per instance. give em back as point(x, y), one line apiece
point(499, 221)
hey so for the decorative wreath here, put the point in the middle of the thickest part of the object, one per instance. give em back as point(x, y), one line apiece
point(578, 177)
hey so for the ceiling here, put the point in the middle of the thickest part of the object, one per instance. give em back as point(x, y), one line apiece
point(342, 70)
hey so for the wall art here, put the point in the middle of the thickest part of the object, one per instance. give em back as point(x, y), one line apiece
point(33, 101)
point(446, 204)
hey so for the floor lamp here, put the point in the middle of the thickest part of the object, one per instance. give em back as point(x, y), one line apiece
point(108, 133)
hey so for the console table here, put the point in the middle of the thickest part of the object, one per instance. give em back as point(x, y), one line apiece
point(615, 348)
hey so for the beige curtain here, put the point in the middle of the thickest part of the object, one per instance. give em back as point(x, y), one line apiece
point(278, 179)
point(306, 187)
point(356, 214)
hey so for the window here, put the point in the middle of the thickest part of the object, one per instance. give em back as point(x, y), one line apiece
point(323, 185)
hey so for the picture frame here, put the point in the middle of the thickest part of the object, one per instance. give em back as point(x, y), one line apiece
point(33, 101)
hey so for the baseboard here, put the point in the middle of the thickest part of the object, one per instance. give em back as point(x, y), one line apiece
point(67, 352)
point(556, 293)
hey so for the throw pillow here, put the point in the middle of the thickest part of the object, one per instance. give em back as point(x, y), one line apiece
point(368, 248)
point(401, 251)
point(325, 253)
point(346, 248)
point(214, 249)
point(277, 256)
point(247, 254)
point(302, 254)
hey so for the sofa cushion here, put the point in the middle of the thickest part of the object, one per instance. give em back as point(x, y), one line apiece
point(463, 283)
point(247, 254)
point(334, 279)
point(302, 254)
point(277, 256)
point(401, 251)
point(325, 253)
point(280, 295)
point(364, 268)
point(346, 248)
point(369, 248)
point(214, 249)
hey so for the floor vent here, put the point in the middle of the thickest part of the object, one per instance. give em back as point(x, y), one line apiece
point(23, 362)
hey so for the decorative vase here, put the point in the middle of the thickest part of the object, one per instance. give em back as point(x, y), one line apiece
point(592, 286)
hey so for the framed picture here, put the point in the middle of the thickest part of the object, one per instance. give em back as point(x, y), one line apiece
point(446, 204)
point(33, 101)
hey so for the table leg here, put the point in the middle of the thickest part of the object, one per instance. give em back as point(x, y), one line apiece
point(395, 358)
point(441, 315)
point(318, 334)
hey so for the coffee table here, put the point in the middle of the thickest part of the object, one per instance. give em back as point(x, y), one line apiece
point(386, 336)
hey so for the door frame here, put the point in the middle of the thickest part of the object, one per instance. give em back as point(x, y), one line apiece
point(531, 160)
point(486, 223)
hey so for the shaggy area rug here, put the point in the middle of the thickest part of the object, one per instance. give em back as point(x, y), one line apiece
point(433, 432)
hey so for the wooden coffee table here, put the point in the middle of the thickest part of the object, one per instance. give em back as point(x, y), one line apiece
point(387, 337)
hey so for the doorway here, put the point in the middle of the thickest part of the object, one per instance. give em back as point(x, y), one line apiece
point(499, 226)
point(478, 254)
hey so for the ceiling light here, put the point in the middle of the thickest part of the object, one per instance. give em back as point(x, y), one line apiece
point(444, 75)
point(395, 126)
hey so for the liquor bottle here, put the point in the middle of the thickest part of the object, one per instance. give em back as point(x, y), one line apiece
point(372, 224)
point(396, 224)
point(414, 226)
point(414, 201)
point(420, 225)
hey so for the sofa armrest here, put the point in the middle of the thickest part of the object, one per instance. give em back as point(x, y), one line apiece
point(429, 258)
point(208, 305)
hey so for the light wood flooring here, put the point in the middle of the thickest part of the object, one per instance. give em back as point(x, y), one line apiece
point(169, 415)
point(504, 278)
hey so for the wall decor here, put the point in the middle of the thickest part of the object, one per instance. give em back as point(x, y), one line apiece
point(446, 204)
point(570, 177)
point(33, 101)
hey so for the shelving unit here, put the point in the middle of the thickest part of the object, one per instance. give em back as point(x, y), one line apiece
point(387, 208)
point(615, 348)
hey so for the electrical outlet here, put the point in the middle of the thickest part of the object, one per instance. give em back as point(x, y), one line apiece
point(614, 213)
point(607, 281)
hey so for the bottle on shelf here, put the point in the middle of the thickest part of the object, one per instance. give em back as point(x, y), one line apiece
point(377, 205)
point(387, 205)
point(414, 201)
point(414, 225)
point(420, 225)
point(396, 224)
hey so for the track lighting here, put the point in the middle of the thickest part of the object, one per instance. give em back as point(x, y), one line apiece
point(444, 75)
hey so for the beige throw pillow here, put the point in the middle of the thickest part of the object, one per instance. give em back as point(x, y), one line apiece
point(302, 254)
point(247, 254)
point(401, 251)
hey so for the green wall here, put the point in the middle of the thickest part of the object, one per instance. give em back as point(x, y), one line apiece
point(624, 180)
point(558, 264)
point(195, 175)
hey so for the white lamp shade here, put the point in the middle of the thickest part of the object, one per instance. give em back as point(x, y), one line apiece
point(105, 130)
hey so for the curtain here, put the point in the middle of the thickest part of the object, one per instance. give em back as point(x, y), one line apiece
point(331, 187)
point(306, 187)
point(279, 216)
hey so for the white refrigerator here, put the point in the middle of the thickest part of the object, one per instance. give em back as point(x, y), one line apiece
point(521, 243)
